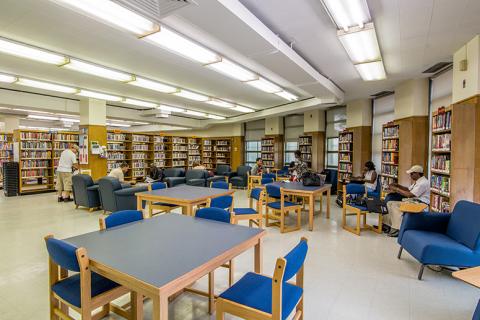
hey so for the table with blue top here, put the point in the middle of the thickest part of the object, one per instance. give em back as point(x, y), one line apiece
point(298, 189)
point(161, 256)
point(183, 195)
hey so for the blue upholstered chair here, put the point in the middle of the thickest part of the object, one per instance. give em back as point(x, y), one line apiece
point(279, 208)
point(256, 296)
point(445, 239)
point(174, 176)
point(264, 181)
point(120, 218)
point(196, 177)
point(476, 314)
point(239, 178)
point(222, 173)
point(159, 206)
point(221, 184)
point(272, 176)
point(67, 291)
point(283, 172)
point(85, 192)
point(222, 202)
point(252, 214)
point(378, 191)
point(353, 190)
point(115, 197)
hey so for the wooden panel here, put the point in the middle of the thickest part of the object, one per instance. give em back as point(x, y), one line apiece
point(97, 165)
point(238, 153)
point(413, 142)
point(318, 150)
point(465, 175)
point(362, 148)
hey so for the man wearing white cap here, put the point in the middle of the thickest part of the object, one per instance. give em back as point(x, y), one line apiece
point(419, 191)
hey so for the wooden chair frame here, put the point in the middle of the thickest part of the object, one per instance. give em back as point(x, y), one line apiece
point(59, 308)
point(226, 306)
point(279, 214)
point(256, 218)
point(161, 208)
point(361, 215)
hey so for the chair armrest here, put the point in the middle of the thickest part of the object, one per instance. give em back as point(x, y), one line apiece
point(229, 174)
point(427, 221)
point(93, 188)
point(127, 192)
point(173, 181)
point(126, 185)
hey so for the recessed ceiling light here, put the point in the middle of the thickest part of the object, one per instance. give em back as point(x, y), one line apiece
point(243, 109)
point(220, 103)
point(28, 110)
point(287, 95)
point(45, 85)
point(214, 116)
point(361, 44)
point(98, 95)
point(232, 70)
point(348, 13)
point(191, 95)
point(152, 85)
point(139, 103)
point(98, 71)
point(29, 52)
point(70, 120)
point(264, 85)
point(7, 78)
point(195, 113)
point(371, 71)
point(37, 117)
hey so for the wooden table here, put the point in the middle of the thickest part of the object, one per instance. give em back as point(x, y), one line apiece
point(184, 196)
point(298, 189)
point(470, 276)
point(161, 256)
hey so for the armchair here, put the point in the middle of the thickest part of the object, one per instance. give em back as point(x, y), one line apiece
point(116, 197)
point(196, 177)
point(174, 176)
point(85, 192)
point(239, 178)
point(445, 239)
point(222, 172)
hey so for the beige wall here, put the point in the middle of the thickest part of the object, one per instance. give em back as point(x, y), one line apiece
point(411, 98)
point(221, 130)
point(93, 112)
point(441, 102)
point(359, 113)
point(274, 125)
point(314, 121)
point(470, 52)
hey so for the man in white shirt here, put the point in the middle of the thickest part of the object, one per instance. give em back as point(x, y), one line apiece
point(419, 191)
point(119, 172)
point(66, 165)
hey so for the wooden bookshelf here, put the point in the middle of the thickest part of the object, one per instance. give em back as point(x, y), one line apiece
point(180, 152)
point(35, 161)
point(60, 142)
point(208, 156)
point(142, 155)
point(305, 144)
point(194, 151)
point(440, 163)
point(345, 155)
point(272, 151)
point(119, 146)
point(6, 152)
point(390, 154)
point(162, 151)
point(223, 151)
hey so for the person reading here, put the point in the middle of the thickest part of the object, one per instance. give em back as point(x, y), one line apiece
point(119, 172)
point(368, 178)
point(257, 168)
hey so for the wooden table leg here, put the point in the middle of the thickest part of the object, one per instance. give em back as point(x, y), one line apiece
point(328, 203)
point(160, 308)
point(258, 259)
point(211, 292)
point(311, 210)
point(137, 306)
point(190, 210)
point(139, 203)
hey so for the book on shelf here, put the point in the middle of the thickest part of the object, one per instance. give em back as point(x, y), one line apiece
point(441, 141)
point(116, 136)
point(440, 183)
point(440, 163)
point(390, 132)
point(442, 119)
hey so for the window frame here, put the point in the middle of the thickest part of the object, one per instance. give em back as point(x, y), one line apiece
point(257, 152)
point(329, 151)
point(292, 152)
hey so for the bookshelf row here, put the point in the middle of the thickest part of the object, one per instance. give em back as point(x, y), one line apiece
point(390, 154)
point(6, 152)
point(272, 151)
point(345, 155)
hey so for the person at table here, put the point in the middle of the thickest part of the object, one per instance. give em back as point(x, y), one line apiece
point(154, 174)
point(300, 166)
point(257, 168)
point(418, 191)
point(368, 178)
point(119, 172)
point(66, 165)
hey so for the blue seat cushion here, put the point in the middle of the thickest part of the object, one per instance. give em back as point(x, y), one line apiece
point(69, 289)
point(255, 291)
point(437, 248)
point(358, 207)
point(240, 211)
point(277, 204)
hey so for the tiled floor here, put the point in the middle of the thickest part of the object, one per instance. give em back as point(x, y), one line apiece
point(346, 277)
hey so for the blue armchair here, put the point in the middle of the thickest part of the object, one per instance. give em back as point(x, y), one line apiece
point(85, 192)
point(116, 197)
point(174, 176)
point(222, 173)
point(445, 239)
point(239, 178)
point(196, 177)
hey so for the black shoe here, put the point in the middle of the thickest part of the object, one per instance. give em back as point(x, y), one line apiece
point(386, 228)
point(67, 199)
point(60, 199)
point(394, 233)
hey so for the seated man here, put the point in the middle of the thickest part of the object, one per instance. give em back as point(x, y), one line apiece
point(257, 168)
point(419, 191)
point(119, 172)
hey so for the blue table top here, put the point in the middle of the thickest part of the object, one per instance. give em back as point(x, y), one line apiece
point(186, 192)
point(297, 185)
point(161, 249)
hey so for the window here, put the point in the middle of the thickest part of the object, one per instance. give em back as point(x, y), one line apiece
point(290, 148)
point(252, 152)
point(332, 152)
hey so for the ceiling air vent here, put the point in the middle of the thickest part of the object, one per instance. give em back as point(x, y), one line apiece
point(154, 9)
point(382, 94)
point(437, 67)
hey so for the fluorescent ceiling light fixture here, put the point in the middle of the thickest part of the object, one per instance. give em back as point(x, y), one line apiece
point(166, 108)
point(7, 78)
point(214, 116)
point(27, 110)
point(287, 95)
point(45, 85)
point(162, 115)
point(98, 71)
point(191, 95)
point(243, 109)
point(183, 46)
point(264, 85)
point(69, 120)
point(114, 14)
point(138, 122)
point(348, 13)
point(29, 52)
point(111, 124)
point(232, 70)
point(362, 45)
point(152, 85)
point(220, 103)
point(139, 103)
point(195, 113)
point(371, 71)
point(34, 116)
point(98, 95)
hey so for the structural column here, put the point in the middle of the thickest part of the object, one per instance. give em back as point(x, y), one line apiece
point(359, 121)
point(93, 125)
point(274, 128)
point(411, 114)
point(11, 124)
point(314, 125)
